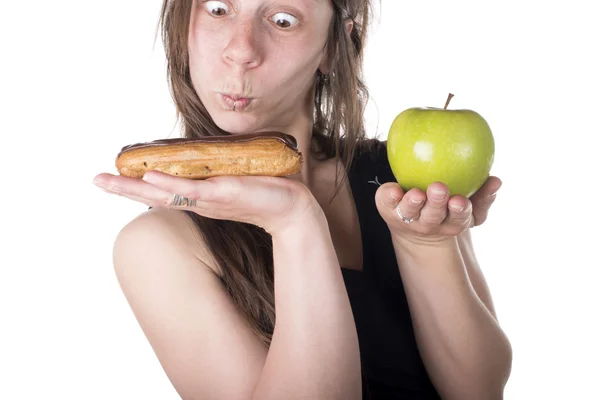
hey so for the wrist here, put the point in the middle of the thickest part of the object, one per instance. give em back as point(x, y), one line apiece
point(306, 239)
point(424, 242)
point(426, 256)
point(305, 218)
point(425, 251)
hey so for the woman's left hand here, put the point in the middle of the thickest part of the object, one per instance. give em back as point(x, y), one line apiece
point(433, 216)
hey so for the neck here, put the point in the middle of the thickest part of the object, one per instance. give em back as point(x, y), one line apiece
point(302, 131)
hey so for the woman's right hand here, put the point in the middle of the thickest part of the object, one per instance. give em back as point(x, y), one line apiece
point(272, 203)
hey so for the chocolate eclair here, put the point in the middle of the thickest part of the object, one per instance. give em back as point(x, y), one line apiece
point(265, 153)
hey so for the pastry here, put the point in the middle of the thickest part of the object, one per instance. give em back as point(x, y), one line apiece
point(265, 153)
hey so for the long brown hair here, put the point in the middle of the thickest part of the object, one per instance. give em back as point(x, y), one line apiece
point(244, 252)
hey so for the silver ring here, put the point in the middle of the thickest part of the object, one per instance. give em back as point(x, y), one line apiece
point(181, 201)
point(404, 218)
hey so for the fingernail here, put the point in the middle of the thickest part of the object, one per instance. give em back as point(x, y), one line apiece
point(415, 201)
point(394, 197)
point(456, 207)
point(438, 195)
point(96, 182)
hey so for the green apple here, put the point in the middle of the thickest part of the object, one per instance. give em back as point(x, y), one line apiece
point(455, 147)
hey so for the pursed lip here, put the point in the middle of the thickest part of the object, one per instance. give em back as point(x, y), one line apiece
point(235, 96)
point(235, 102)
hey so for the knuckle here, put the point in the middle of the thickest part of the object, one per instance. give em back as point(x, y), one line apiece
point(411, 205)
point(390, 202)
point(479, 218)
point(459, 215)
point(227, 191)
point(486, 203)
point(464, 222)
point(437, 206)
point(457, 224)
point(432, 218)
point(413, 212)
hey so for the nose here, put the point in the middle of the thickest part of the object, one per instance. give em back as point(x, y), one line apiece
point(243, 48)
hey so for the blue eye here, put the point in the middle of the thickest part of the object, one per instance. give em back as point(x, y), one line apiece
point(284, 20)
point(216, 8)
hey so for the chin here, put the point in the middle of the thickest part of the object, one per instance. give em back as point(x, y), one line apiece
point(237, 123)
point(233, 125)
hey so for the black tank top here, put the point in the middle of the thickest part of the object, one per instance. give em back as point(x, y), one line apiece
point(391, 364)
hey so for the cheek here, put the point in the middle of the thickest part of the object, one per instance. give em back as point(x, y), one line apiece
point(203, 58)
point(295, 70)
point(203, 50)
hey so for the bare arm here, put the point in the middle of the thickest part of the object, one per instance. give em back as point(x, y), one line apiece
point(203, 343)
point(476, 277)
point(464, 349)
point(314, 353)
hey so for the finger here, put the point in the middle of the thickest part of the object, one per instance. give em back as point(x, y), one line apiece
point(459, 213)
point(490, 186)
point(411, 204)
point(483, 199)
point(436, 206)
point(388, 195)
point(219, 189)
point(481, 208)
point(133, 188)
point(147, 202)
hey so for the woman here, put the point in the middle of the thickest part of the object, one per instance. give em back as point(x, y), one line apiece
point(377, 291)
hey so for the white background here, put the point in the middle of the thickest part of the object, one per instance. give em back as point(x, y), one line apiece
point(81, 79)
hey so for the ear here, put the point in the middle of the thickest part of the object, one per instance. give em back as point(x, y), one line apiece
point(349, 24)
point(325, 66)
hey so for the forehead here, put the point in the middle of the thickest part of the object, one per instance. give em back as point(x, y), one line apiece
point(302, 4)
point(277, 2)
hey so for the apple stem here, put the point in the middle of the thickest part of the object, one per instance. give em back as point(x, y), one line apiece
point(450, 96)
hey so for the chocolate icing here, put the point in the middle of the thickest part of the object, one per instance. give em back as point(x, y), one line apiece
point(289, 140)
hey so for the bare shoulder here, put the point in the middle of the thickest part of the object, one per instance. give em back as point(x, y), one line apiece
point(164, 230)
point(202, 341)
